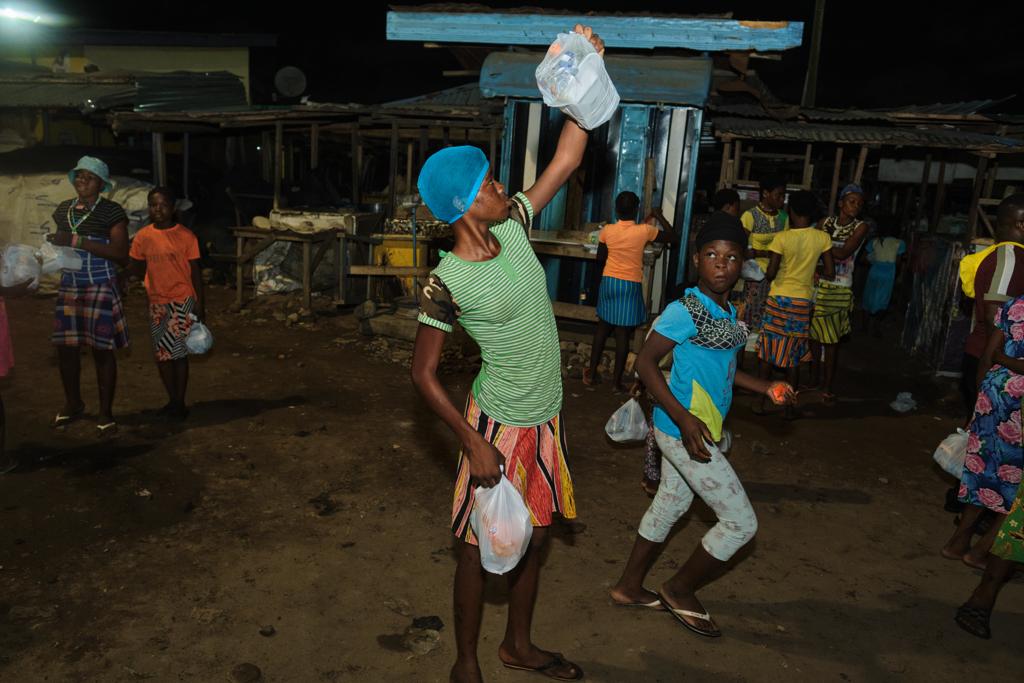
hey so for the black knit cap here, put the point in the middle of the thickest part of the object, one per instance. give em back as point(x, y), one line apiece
point(722, 226)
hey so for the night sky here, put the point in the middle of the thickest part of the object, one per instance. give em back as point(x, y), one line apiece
point(872, 56)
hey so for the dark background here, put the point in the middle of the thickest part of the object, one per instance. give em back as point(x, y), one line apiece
point(873, 54)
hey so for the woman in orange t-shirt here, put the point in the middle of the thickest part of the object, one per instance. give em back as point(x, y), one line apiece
point(167, 254)
point(620, 301)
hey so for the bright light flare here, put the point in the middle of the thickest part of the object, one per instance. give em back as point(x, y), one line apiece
point(16, 14)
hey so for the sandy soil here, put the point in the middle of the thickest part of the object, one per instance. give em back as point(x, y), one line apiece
point(309, 492)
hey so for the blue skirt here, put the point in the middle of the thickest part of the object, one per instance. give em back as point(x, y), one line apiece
point(621, 302)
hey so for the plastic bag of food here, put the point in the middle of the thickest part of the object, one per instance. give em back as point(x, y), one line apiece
point(751, 270)
point(502, 526)
point(199, 339)
point(572, 77)
point(628, 423)
point(952, 452)
point(18, 264)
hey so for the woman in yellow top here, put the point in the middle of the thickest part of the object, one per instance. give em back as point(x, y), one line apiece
point(620, 301)
point(763, 222)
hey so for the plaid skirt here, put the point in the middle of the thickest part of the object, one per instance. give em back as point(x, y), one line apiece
point(534, 463)
point(784, 331)
point(169, 324)
point(90, 315)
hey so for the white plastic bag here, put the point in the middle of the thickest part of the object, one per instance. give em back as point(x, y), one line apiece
point(751, 270)
point(502, 526)
point(628, 423)
point(200, 339)
point(56, 259)
point(18, 265)
point(952, 452)
point(572, 77)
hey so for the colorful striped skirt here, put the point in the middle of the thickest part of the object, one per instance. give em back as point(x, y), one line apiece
point(621, 302)
point(784, 331)
point(90, 315)
point(169, 324)
point(832, 307)
point(534, 463)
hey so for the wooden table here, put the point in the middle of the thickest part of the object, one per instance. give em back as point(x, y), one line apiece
point(251, 241)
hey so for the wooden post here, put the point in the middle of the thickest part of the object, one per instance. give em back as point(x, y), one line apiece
point(835, 180)
point(159, 160)
point(493, 156)
point(737, 154)
point(940, 196)
point(807, 168)
point(861, 160)
point(314, 146)
point(723, 172)
point(184, 165)
point(393, 170)
point(424, 148)
point(923, 194)
point(408, 168)
point(278, 152)
point(356, 165)
point(307, 276)
point(239, 268)
point(972, 214)
point(990, 180)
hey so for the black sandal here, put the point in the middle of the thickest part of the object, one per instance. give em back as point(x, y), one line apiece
point(974, 620)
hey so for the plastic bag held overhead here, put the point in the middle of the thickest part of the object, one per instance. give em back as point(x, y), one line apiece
point(572, 77)
point(502, 526)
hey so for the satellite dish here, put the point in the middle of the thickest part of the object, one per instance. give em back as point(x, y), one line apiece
point(289, 81)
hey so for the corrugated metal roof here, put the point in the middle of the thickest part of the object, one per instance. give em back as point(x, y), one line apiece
point(877, 135)
point(466, 96)
point(180, 91)
point(666, 80)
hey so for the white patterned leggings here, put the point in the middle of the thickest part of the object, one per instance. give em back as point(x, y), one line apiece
point(717, 485)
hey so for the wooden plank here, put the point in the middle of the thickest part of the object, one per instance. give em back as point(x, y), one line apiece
point(723, 177)
point(408, 168)
point(314, 146)
point(574, 311)
point(250, 253)
point(737, 154)
point(357, 166)
point(835, 180)
point(393, 170)
point(988, 224)
point(862, 158)
point(808, 168)
point(159, 159)
point(416, 271)
point(572, 251)
point(643, 32)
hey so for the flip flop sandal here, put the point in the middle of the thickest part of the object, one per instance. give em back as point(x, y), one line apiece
point(654, 604)
point(974, 620)
point(678, 614)
point(64, 420)
point(557, 660)
point(106, 429)
point(590, 379)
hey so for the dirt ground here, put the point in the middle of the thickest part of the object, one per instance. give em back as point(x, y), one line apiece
point(309, 492)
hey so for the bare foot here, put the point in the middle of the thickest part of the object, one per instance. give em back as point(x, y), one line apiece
point(649, 487)
point(466, 672)
point(639, 598)
point(971, 559)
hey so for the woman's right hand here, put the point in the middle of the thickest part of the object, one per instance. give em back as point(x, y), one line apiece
point(695, 436)
point(60, 239)
point(485, 462)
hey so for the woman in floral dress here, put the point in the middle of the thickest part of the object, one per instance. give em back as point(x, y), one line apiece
point(992, 468)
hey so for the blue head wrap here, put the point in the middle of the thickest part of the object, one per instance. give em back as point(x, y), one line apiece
point(450, 180)
point(852, 188)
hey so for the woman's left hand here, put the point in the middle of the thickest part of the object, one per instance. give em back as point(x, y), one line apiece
point(589, 34)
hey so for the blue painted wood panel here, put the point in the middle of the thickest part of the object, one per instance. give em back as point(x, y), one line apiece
point(648, 32)
point(666, 80)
